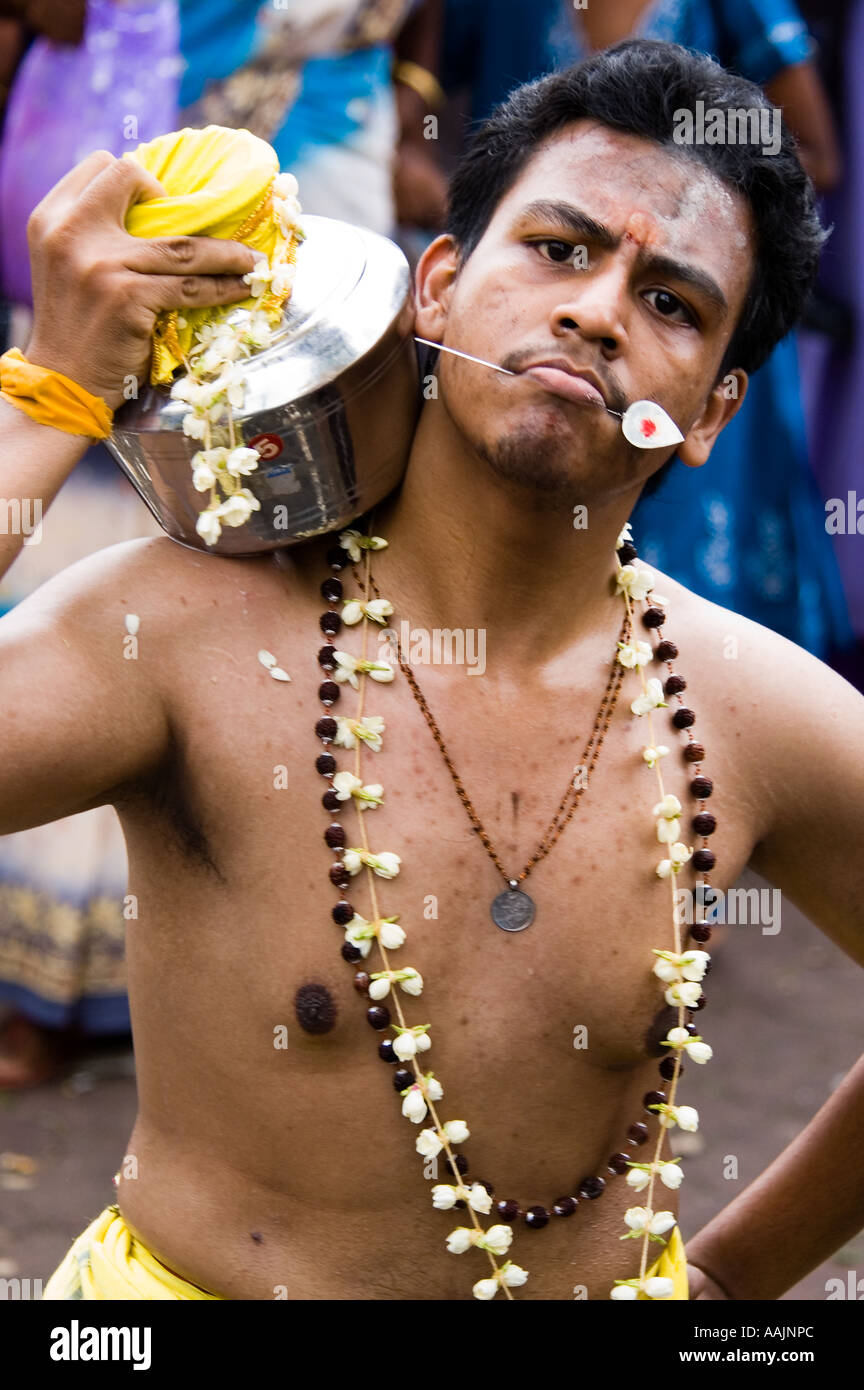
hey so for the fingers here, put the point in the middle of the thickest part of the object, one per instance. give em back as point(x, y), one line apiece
point(109, 196)
point(193, 291)
point(189, 256)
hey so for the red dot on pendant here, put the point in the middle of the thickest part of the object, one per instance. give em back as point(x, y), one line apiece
point(648, 428)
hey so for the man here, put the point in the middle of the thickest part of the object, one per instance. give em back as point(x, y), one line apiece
point(254, 1169)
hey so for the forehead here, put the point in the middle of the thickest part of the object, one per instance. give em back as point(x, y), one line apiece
point(632, 184)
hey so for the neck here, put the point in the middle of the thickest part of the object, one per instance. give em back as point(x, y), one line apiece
point(469, 550)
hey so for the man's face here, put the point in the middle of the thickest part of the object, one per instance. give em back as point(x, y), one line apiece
point(648, 307)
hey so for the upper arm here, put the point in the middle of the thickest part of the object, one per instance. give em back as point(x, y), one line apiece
point(812, 775)
point(81, 710)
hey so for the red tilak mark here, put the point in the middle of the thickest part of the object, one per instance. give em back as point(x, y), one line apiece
point(648, 428)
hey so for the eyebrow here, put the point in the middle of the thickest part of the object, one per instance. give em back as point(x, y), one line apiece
point(582, 225)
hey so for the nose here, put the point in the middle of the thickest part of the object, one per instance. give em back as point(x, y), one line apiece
point(595, 306)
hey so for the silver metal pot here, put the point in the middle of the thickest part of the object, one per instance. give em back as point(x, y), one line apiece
point(331, 405)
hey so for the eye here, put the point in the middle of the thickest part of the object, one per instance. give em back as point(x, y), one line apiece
point(668, 304)
point(556, 245)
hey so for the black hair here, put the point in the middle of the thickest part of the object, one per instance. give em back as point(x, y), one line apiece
point(638, 87)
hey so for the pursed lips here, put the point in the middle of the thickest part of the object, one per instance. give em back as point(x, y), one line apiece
point(566, 381)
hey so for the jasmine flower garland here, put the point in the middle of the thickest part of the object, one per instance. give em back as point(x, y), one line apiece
point(679, 970)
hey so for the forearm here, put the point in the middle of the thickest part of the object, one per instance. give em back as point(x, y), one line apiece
point(806, 1204)
point(37, 460)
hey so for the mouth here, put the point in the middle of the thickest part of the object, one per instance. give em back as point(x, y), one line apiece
point(563, 379)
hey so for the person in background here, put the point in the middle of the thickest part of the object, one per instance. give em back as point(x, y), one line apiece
point(62, 886)
point(341, 102)
point(748, 531)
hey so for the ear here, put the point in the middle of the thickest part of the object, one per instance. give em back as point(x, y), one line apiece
point(724, 401)
point(433, 285)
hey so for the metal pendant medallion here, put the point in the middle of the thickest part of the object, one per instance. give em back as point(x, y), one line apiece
point(513, 910)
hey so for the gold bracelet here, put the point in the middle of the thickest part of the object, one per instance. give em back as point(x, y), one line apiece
point(53, 399)
point(420, 80)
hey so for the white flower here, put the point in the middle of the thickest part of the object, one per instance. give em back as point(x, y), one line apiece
point(355, 543)
point(132, 622)
point(641, 1219)
point(625, 534)
point(285, 186)
point(434, 1089)
point(445, 1197)
point(689, 965)
point(194, 427)
point(485, 1289)
point(497, 1239)
point(283, 278)
point(347, 667)
point(390, 934)
point(378, 609)
point(678, 856)
point(652, 698)
point(633, 654)
point(479, 1199)
point(410, 980)
point(668, 831)
point(652, 755)
point(634, 582)
point(460, 1240)
point(658, 1287)
point(669, 807)
point(654, 1288)
point(368, 729)
point(428, 1143)
point(256, 332)
point(238, 508)
point(259, 277)
point(346, 785)
point(683, 1115)
point(241, 461)
point(209, 527)
point(695, 1048)
point(385, 865)
point(405, 1046)
point(414, 1105)
point(456, 1131)
point(638, 1179)
point(683, 994)
point(670, 1175)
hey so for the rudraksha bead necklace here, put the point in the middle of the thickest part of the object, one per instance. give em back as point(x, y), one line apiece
point(680, 970)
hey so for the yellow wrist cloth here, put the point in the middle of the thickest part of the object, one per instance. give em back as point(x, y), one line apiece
point(51, 398)
point(218, 183)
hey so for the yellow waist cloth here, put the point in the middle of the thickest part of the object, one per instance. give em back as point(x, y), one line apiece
point(107, 1263)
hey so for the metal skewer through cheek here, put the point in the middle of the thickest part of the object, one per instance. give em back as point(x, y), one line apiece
point(644, 424)
point(495, 367)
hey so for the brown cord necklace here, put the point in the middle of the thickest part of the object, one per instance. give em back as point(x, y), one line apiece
point(514, 909)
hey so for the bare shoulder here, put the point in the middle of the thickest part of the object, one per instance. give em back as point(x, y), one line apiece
point(787, 721)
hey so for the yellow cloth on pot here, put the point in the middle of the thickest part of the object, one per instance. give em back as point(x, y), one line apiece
point(218, 183)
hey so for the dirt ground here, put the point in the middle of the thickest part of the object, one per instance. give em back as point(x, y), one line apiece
point(784, 1018)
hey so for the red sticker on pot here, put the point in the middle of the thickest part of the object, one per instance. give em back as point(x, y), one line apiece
point(269, 446)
